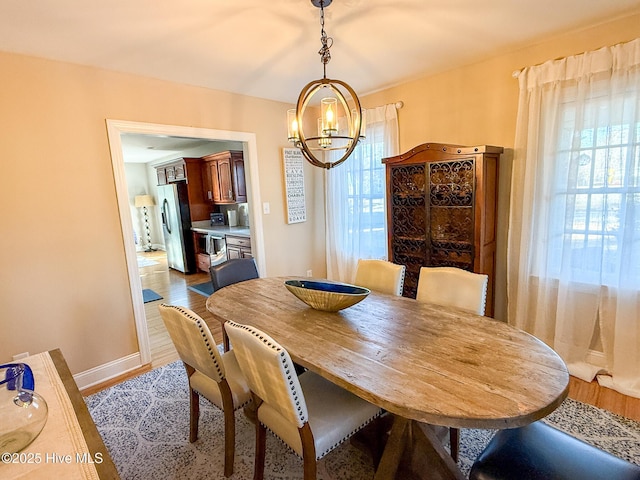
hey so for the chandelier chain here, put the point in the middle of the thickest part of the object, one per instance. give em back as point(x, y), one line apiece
point(341, 125)
point(327, 42)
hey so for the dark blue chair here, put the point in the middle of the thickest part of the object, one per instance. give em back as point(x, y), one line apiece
point(232, 271)
point(541, 452)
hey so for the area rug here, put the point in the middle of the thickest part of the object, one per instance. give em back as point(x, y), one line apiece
point(149, 295)
point(146, 262)
point(145, 425)
point(205, 289)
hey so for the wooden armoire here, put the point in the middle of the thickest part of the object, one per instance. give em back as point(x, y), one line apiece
point(442, 209)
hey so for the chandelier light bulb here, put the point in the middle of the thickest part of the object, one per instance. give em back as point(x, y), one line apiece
point(324, 139)
point(292, 126)
point(329, 109)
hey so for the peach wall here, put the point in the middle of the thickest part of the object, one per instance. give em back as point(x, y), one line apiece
point(63, 277)
point(477, 105)
point(63, 274)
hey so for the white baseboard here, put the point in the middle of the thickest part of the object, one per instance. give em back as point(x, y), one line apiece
point(596, 358)
point(105, 372)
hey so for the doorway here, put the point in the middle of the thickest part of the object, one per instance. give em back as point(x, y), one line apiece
point(116, 128)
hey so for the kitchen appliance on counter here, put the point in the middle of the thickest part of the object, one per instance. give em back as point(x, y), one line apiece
point(232, 216)
point(176, 226)
point(217, 219)
point(243, 214)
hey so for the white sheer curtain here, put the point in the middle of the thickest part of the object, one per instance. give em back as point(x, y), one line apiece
point(355, 202)
point(574, 234)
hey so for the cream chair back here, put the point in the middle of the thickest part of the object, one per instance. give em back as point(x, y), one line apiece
point(193, 340)
point(454, 287)
point(269, 371)
point(380, 276)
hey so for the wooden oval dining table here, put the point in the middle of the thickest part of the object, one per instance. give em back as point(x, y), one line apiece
point(428, 365)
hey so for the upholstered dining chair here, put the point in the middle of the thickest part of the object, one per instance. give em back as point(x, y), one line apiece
point(232, 271)
point(308, 413)
point(380, 276)
point(540, 451)
point(216, 377)
point(453, 287)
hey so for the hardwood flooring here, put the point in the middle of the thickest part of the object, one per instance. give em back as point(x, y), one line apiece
point(172, 285)
point(605, 398)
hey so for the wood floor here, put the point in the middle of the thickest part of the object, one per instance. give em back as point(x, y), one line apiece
point(172, 285)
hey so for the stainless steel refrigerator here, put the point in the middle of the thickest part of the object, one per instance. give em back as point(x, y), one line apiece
point(176, 226)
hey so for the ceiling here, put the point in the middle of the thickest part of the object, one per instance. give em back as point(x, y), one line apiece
point(144, 148)
point(268, 49)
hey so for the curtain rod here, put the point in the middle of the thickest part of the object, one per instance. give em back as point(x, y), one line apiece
point(516, 73)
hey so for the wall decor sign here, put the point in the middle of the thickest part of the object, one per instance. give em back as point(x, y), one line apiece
point(293, 162)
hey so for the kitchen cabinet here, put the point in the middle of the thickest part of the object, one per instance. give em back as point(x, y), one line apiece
point(188, 170)
point(203, 259)
point(441, 210)
point(224, 179)
point(162, 175)
point(171, 172)
point(238, 247)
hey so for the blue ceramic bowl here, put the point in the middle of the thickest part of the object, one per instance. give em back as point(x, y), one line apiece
point(326, 296)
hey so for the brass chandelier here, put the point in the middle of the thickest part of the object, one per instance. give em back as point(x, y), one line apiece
point(341, 124)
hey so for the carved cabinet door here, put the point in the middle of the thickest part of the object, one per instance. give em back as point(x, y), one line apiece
point(441, 209)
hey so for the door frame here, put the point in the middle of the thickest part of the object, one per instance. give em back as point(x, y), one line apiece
point(117, 127)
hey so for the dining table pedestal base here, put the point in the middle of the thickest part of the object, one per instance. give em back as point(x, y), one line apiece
point(414, 451)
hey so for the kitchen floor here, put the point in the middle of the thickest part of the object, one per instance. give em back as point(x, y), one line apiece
point(172, 286)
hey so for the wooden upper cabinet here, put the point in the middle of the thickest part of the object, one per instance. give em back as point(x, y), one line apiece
point(225, 182)
point(199, 206)
point(211, 188)
point(162, 175)
point(188, 170)
point(238, 178)
point(171, 172)
point(441, 210)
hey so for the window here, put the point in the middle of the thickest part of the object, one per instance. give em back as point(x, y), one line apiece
point(355, 200)
point(574, 233)
point(366, 199)
point(596, 203)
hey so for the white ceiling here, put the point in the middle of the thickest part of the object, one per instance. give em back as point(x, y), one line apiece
point(268, 48)
point(143, 148)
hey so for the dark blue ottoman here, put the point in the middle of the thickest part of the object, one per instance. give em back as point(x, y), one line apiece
point(539, 452)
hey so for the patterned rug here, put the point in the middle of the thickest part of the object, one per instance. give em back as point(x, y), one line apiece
point(145, 424)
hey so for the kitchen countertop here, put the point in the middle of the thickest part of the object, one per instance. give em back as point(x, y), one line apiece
point(205, 227)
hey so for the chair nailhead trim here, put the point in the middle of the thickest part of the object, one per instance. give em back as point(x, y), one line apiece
point(198, 322)
point(332, 447)
point(349, 435)
point(295, 393)
point(283, 359)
